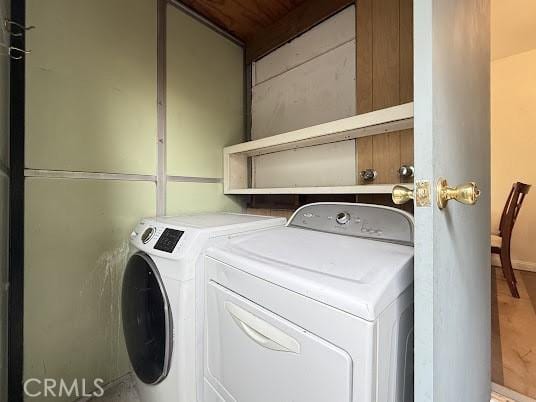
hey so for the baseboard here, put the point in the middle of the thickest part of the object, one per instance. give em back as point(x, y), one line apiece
point(516, 264)
point(508, 394)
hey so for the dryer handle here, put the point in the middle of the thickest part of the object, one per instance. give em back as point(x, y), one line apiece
point(260, 331)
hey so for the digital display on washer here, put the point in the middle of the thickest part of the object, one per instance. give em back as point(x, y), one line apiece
point(168, 240)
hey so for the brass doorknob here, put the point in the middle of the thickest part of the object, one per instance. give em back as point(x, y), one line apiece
point(401, 195)
point(466, 193)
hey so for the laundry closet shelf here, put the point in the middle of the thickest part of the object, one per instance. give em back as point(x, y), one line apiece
point(235, 157)
point(357, 189)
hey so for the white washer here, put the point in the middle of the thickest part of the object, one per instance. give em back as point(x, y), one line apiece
point(320, 310)
point(159, 298)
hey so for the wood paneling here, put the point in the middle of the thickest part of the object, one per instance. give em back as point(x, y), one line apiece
point(364, 56)
point(406, 51)
point(264, 25)
point(385, 53)
point(513, 333)
point(280, 213)
point(364, 149)
point(243, 19)
point(384, 79)
point(406, 77)
point(406, 150)
point(386, 157)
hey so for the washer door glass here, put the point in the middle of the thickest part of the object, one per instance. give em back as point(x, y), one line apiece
point(147, 323)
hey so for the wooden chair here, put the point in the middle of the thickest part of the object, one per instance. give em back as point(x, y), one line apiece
point(500, 242)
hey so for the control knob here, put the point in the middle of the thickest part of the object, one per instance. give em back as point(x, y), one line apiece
point(343, 218)
point(147, 235)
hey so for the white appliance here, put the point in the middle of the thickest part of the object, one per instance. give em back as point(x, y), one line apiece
point(159, 298)
point(320, 310)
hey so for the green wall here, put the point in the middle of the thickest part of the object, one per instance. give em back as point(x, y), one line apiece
point(76, 248)
point(91, 82)
point(91, 107)
point(4, 202)
point(185, 198)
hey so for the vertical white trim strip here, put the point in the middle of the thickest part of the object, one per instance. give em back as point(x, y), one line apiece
point(161, 175)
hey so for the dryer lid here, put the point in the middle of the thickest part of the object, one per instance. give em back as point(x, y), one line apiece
point(358, 275)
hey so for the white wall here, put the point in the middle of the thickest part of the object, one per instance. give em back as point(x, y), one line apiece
point(309, 81)
point(513, 146)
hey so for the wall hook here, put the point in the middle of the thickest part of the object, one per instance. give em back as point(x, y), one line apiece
point(8, 27)
point(14, 52)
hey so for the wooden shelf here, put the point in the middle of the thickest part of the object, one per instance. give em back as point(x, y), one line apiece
point(357, 189)
point(382, 121)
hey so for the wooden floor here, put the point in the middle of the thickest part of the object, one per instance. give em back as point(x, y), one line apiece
point(514, 333)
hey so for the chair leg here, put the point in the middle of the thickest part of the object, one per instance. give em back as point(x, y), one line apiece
point(508, 272)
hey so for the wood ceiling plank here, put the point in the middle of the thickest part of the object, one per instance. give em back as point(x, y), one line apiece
point(292, 24)
point(242, 18)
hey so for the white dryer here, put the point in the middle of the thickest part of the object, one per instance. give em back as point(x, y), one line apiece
point(159, 298)
point(320, 310)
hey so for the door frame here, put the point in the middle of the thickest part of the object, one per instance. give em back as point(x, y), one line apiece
point(16, 212)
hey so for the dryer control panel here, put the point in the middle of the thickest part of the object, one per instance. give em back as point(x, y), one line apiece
point(376, 222)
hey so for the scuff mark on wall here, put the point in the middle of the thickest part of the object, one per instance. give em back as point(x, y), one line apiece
point(100, 295)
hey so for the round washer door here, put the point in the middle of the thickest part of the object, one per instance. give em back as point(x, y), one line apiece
point(147, 322)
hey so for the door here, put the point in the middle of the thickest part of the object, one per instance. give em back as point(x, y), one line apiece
point(452, 250)
point(147, 322)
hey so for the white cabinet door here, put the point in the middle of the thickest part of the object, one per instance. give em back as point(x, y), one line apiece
point(452, 250)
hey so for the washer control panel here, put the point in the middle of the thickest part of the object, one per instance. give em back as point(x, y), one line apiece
point(151, 235)
point(168, 240)
point(376, 222)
